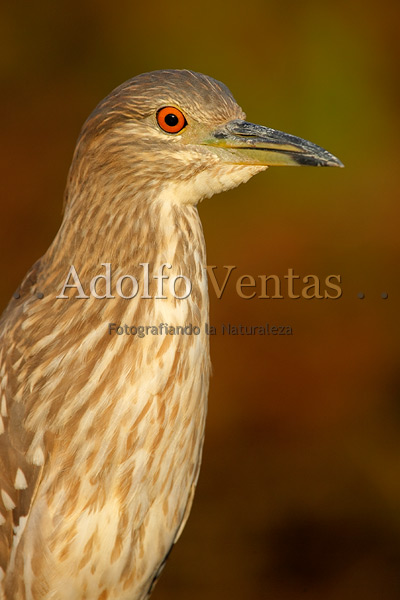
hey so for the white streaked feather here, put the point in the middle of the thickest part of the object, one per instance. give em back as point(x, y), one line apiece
point(20, 482)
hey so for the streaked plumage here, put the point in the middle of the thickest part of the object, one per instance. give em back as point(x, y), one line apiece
point(101, 435)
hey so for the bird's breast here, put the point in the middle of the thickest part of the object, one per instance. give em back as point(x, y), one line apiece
point(124, 459)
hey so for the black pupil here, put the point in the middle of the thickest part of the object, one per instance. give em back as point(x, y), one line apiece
point(171, 120)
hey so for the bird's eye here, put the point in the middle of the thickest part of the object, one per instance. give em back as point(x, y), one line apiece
point(170, 119)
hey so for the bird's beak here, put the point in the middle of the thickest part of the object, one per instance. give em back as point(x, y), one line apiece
point(257, 145)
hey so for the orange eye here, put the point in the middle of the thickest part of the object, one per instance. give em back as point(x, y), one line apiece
point(170, 119)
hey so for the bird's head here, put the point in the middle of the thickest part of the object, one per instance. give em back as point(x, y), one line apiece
point(180, 135)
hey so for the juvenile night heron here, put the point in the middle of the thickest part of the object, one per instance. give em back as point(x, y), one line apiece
point(101, 434)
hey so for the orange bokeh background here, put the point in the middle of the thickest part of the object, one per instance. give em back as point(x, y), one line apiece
point(299, 493)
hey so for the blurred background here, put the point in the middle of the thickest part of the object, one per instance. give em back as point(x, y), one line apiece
point(299, 493)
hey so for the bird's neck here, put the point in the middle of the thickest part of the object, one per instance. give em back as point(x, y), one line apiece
point(82, 349)
point(126, 231)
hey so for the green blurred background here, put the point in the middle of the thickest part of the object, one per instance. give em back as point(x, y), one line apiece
point(299, 492)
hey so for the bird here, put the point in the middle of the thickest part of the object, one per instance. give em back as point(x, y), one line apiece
point(102, 430)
